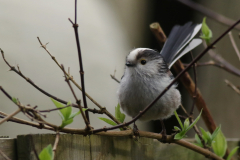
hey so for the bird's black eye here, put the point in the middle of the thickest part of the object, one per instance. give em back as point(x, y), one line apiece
point(143, 62)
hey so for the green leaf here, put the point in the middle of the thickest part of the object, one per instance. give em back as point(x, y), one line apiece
point(108, 121)
point(214, 134)
point(186, 124)
point(206, 32)
point(46, 153)
point(66, 122)
point(118, 114)
point(220, 145)
point(179, 121)
point(77, 113)
point(195, 121)
point(15, 100)
point(198, 140)
point(176, 128)
point(232, 153)
point(206, 137)
point(180, 135)
point(65, 112)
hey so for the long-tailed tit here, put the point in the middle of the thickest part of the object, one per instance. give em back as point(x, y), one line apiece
point(147, 74)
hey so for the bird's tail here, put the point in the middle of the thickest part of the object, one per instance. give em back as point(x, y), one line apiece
point(180, 42)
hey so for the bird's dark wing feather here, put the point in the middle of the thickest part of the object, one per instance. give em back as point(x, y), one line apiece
point(179, 36)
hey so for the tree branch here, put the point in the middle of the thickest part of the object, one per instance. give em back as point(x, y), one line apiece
point(216, 16)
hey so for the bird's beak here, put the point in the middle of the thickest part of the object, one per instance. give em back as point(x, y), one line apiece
point(129, 64)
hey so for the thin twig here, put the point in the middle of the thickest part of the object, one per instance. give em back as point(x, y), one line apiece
point(192, 109)
point(216, 16)
point(232, 86)
point(234, 44)
point(77, 101)
point(114, 78)
point(55, 144)
point(219, 65)
point(10, 115)
point(194, 127)
point(54, 109)
point(172, 83)
point(75, 26)
point(195, 89)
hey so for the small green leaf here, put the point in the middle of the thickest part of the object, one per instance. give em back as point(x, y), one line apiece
point(77, 113)
point(179, 121)
point(206, 32)
point(186, 124)
point(46, 153)
point(108, 121)
point(232, 153)
point(214, 134)
point(15, 100)
point(198, 140)
point(195, 121)
point(66, 122)
point(65, 112)
point(205, 135)
point(176, 128)
point(118, 114)
point(180, 135)
point(220, 145)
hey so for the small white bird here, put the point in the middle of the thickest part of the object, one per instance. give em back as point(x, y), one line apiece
point(147, 74)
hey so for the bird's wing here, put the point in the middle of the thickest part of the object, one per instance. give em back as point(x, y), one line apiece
point(178, 39)
point(194, 43)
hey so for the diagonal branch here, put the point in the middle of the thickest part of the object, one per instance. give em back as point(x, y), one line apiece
point(216, 16)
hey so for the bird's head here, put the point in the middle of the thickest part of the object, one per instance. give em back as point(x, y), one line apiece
point(146, 62)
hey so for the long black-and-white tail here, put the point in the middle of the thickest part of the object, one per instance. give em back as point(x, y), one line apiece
point(180, 42)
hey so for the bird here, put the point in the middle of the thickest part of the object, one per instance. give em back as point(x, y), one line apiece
point(147, 73)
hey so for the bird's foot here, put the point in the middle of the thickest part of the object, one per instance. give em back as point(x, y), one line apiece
point(164, 136)
point(135, 130)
